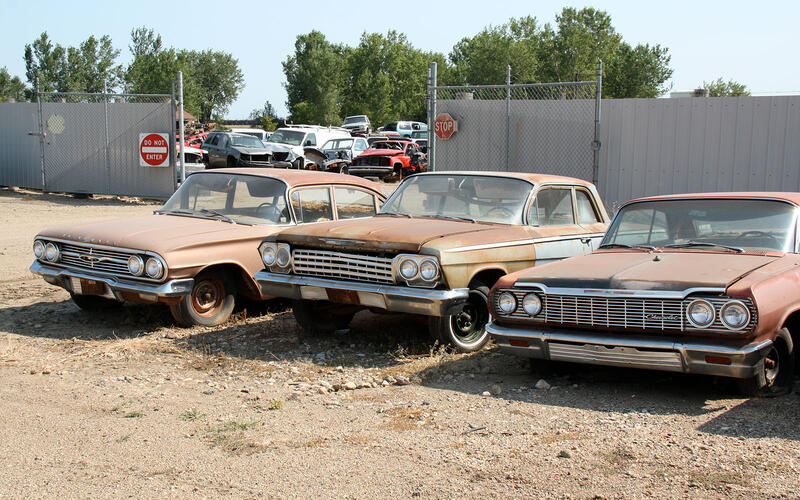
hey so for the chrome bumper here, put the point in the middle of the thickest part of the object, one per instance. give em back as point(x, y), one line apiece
point(370, 170)
point(392, 298)
point(607, 348)
point(63, 278)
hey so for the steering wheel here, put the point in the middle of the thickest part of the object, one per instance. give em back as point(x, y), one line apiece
point(499, 212)
point(268, 210)
point(758, 234)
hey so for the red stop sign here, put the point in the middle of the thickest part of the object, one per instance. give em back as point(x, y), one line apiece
point(154, 149)
point(445, 126)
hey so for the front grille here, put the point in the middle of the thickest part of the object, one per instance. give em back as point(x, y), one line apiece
point(353, 267)
point(621, 313)
point(254, 158)
point(372, 161)
point(280, 156)
point(94, 259)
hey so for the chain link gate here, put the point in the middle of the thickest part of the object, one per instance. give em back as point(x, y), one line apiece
point(90, 142)
point(549, 128)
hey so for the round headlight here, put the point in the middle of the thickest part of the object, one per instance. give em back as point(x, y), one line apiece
point(506, 302)
point(428, 270)
point(734, 315)
point(283, 257)
point(700, 313)
point(409, 269)
point(154, 268)
point(532, 304)
point(38, 249)
point(268, 255)
point(51, 252)
point(135, 265)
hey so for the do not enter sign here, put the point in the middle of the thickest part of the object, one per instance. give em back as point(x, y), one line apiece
point(445, 126)
point(154, 150)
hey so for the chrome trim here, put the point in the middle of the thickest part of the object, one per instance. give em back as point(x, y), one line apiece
point(395, 298)
point(533, 241)
point(619, 292)
point(654, 353)
point(328, 264)
point(60, 277)
point(713, 314)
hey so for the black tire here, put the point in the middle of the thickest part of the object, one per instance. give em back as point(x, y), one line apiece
point(232, 162)
point(344, 169)
point(775, 373)
point(94, 303)
point(320, 317)
point(209, 303)
point(298, 164)
point(465, 331)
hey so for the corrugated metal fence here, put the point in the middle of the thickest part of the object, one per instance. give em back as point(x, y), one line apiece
point(19, 150)
point(662, 146)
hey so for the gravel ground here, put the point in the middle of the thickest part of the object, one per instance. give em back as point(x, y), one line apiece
point(127, 404)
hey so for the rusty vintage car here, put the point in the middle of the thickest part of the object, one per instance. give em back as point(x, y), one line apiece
point(698, 283)
point(438, 244)
point(199, 251)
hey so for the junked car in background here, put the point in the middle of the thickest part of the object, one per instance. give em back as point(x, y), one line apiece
point(288, 144)
point(336, 154)
point(438, 244)
point(404, 128)
point(399, 158)
point(260, 134)
point(357, 124)
point(698, 283)
point(198, 253)
point(228, 149)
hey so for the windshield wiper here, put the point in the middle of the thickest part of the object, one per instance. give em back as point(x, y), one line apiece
point(181, 212)
point(623, 245)
point(217, 214)
point(401, 214)
point(453, 217)
point(703, 244)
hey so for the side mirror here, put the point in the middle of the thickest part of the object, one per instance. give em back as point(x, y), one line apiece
point(308, 143)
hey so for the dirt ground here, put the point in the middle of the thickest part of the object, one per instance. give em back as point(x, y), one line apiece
point(126, 404)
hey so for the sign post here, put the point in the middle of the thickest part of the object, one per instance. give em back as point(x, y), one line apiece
point(154, 150)
point(445, 126)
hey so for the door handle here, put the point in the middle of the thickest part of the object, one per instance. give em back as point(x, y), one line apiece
point(586, 241)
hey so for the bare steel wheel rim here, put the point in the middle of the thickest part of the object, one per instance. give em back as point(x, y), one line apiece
point(208, 296)
point(468, 325)
point(772, 366)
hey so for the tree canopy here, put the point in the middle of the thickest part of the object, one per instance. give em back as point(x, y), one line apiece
point(721, 88)
point(11, 87)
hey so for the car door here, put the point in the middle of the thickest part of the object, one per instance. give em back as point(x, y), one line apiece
point(211, 147)
point(589, 218)
point(551, 219)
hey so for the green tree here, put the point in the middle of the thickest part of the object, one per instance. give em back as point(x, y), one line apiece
point(265, 117)
point(484, 58)
point(11, 87)
point(217, 81)
point(46, 62)
point(721, 88)
point(640, 71)
point(314, 80)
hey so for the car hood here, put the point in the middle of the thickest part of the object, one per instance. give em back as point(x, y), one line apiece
point(632, 270)
point(157, 233)
point(250, 151)
point(397, 234)
point(279, 148)
point(381, 152)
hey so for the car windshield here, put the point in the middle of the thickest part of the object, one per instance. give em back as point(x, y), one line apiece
point(355, 119)
point(243, 199)
point(246, 141)
point(290, 137)
point(470, 197)
point(388, 145)
point(338, 144)
point(739, 224)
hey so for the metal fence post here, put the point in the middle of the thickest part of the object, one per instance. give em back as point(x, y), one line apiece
point(105, 123)
point(432, 136)
point(180, 127)
point(41, 134)
point(596, 144)
point(173, 109)
point(508, 117)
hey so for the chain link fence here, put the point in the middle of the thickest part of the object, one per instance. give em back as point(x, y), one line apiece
point(546, 128)
point(90, 142)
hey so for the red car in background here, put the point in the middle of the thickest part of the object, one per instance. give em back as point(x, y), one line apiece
point(390, 157)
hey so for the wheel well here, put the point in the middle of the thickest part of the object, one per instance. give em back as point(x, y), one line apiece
point(488, 277)
point(792, 324)
point(244, 284)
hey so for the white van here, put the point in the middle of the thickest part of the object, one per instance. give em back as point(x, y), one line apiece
point(295, 138)
point(262, 135)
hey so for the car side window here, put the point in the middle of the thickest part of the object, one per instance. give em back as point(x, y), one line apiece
point(214, 139)
point(312, 205)
point(360, 145)
point(552, 207)
point(311, 140)
point(353, 203)
point(586, 211)
point(223, 143)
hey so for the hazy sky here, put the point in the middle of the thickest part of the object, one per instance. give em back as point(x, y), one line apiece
point(754, 43)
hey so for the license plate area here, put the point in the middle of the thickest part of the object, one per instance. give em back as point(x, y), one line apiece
point(82, 286)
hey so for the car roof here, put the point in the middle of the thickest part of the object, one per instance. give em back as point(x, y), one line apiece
point(302, 177)
point(534, 178)
point(774, 195)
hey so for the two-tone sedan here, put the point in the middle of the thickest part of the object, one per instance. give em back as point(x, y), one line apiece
point(697, 283)
point(200, 250)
